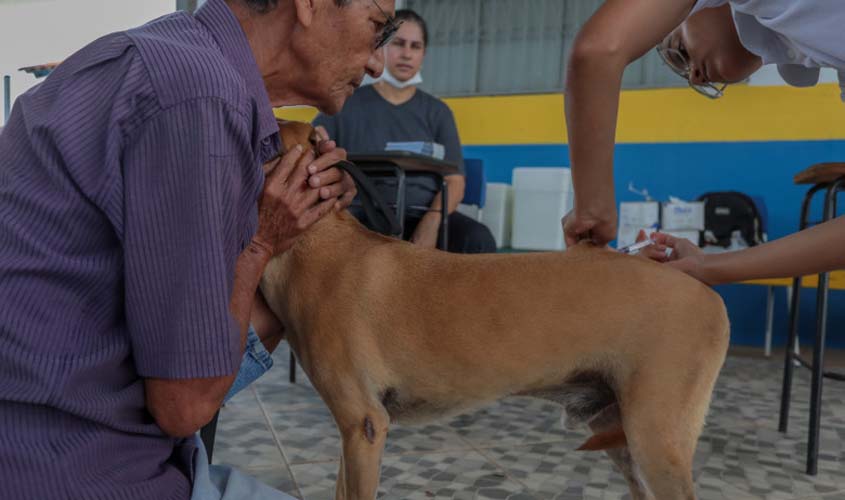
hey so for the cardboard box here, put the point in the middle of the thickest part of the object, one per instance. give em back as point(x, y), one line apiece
point(683, 216)
point(636, 216)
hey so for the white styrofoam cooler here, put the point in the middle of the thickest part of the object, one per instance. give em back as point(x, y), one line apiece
point(498, 212)
point(542, 196)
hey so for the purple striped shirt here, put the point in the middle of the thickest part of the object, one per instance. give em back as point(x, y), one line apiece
point(128, 188)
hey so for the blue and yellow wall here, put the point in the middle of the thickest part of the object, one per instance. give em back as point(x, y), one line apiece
point(675, 142)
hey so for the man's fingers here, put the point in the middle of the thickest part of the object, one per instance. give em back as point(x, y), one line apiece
point(345, 200)
point(322, 133)
point(327, 161)
point(326, 178)
point(349, 195)
point(299, 176)
point(333, 191)
point(308, 199)
point(281, 172)
point(326, 147)
point(271, 166)
point(316, 213)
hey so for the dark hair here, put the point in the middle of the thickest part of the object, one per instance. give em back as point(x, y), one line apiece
point(264, 6)
point(409, 15)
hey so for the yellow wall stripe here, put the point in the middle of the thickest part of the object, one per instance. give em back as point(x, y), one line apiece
point(654, 116)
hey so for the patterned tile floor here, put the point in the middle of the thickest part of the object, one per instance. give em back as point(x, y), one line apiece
point(516, 449)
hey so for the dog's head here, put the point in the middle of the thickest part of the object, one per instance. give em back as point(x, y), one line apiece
point(297, 133)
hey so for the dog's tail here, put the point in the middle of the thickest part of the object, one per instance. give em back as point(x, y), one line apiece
point(614, 438)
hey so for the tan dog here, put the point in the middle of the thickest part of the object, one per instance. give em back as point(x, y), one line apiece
point(387, 331)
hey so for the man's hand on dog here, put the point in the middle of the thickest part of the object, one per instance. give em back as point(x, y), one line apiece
point(299, 190)
point(679, 253)
point(326, 146)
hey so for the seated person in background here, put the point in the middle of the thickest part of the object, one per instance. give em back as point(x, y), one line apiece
point(395, 110)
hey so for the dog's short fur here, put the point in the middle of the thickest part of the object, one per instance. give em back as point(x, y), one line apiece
point(387, 331)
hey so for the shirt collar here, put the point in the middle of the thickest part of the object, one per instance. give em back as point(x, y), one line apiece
point(221, 22)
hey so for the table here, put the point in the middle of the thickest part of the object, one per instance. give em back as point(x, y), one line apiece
point(401, 163)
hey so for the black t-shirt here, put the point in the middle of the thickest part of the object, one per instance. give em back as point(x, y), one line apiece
point(368, 122)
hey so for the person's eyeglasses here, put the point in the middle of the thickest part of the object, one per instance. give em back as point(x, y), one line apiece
point(678, 62)
point(388, 31)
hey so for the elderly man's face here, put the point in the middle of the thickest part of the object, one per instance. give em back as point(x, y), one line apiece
point(344, 49)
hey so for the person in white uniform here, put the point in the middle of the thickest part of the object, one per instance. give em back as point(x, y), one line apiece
point(711, 43)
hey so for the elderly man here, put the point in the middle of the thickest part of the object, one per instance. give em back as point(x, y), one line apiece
point(134, 229)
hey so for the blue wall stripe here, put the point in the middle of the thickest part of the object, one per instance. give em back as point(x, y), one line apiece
point(687, 170)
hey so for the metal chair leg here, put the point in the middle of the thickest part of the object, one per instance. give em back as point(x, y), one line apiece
point(770, 319)
point(788, 363)
point(819, 348)
point(444, 215)
point(818, 376)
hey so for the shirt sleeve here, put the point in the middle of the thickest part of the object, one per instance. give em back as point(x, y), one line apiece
point(183, 177)
point(447, 135)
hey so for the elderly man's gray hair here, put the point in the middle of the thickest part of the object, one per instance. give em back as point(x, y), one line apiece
point(267, 5)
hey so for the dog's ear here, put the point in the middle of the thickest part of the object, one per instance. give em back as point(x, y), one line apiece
point(296, 133)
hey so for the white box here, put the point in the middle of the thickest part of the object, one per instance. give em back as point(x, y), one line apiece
point(683, 215)
point(497, 214)
point(542, 196)
point(635, 216)
point(639, 213)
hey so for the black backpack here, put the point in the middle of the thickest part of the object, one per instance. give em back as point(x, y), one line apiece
point(729, 211)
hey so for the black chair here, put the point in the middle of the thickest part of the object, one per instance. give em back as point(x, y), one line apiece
point(830, 179)
point(397, 166)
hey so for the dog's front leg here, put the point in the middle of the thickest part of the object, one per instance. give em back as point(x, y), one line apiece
point(364, 434)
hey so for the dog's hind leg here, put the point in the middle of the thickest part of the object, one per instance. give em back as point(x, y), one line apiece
point(662, 423)
point(363, 435)
point(340, 485)
point(608, 421)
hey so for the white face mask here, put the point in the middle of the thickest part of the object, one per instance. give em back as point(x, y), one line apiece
point(388, 77)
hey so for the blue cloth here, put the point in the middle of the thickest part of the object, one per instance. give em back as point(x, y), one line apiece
point(218, 482)
point(256, 362)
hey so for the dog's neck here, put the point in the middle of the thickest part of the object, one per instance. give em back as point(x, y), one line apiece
point(316, 260)
point(336, 235)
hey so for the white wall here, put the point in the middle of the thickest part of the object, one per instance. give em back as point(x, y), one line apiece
point(42, 31)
